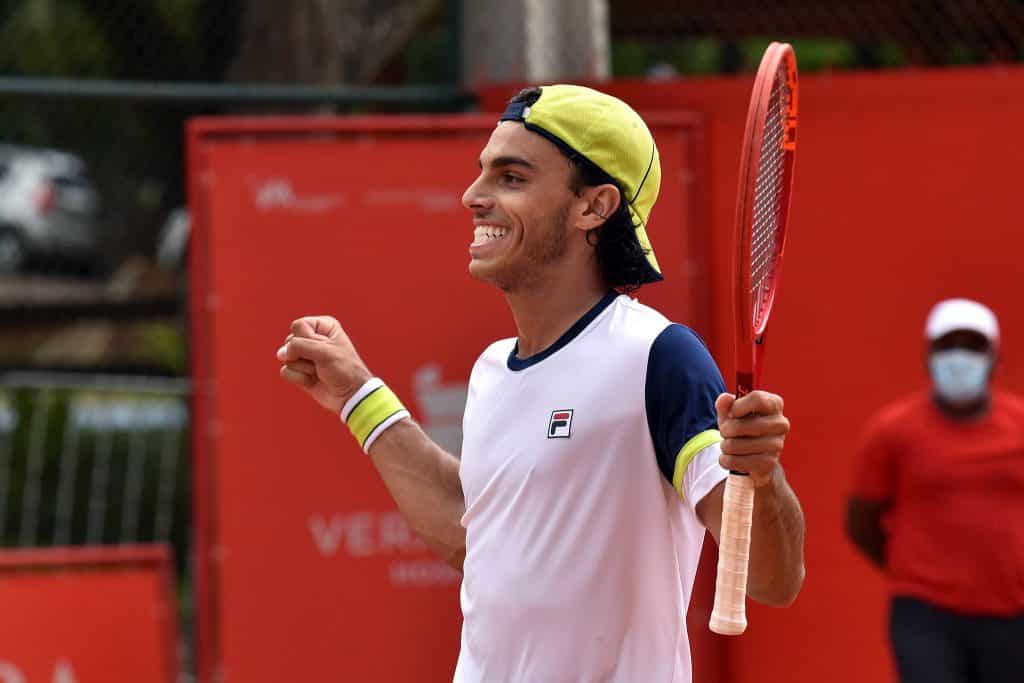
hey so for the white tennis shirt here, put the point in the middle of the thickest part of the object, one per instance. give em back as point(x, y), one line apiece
point(581, 552)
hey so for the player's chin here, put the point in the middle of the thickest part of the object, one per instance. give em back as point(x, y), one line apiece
point(477, 270)
point(485, 269)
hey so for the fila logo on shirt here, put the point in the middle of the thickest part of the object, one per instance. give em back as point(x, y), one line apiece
point(560, 424)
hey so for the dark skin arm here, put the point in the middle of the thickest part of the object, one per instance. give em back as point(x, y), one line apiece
point(864, 528)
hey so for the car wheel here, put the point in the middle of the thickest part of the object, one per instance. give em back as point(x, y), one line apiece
point(12, 252)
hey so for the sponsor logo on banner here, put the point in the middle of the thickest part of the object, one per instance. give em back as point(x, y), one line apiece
point(278, 194)
point(441, 407)
point(364, 535)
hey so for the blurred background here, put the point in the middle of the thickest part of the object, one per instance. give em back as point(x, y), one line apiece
point(95, 377)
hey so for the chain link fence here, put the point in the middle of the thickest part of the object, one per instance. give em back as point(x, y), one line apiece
point(106, 171)
point(91, 171)
point(669, 37)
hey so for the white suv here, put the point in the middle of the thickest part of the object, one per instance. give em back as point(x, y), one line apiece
point(48, 208)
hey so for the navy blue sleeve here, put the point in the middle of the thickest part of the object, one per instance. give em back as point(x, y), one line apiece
point(682, 385)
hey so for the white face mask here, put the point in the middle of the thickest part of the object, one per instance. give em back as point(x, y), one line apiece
point(960, 375)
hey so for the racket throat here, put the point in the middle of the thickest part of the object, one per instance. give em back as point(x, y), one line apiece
point(744, 385)
point(748, 380)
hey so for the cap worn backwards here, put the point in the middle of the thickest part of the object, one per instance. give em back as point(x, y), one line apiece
point(606, 132)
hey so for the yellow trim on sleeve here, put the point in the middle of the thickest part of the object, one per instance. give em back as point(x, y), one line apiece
point(687, 453)
point(378, 406)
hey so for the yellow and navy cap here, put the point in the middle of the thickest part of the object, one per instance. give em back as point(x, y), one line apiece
point(605, 132)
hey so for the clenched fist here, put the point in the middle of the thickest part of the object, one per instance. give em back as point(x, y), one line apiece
point(320, 358)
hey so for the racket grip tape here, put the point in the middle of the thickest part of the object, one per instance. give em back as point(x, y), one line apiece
point(729, 616)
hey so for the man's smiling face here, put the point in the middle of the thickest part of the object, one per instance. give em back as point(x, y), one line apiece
point(520, 204)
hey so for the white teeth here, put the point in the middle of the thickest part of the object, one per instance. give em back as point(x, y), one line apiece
point(491, 232)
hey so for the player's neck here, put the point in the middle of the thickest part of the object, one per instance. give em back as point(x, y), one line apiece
point(544, 312)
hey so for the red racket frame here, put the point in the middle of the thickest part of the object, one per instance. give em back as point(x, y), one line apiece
point(728, 617)
point(750, 342)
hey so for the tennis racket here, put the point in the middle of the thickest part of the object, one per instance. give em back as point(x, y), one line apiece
point(766, 178)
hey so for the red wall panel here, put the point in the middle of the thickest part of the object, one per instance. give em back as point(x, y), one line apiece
point(87, 614)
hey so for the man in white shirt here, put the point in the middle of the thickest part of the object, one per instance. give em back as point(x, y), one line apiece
point(596, 442)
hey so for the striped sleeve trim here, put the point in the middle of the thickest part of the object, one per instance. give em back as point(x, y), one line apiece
point(688, 452)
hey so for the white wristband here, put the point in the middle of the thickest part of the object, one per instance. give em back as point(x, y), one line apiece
point(371, 410)
point(369, 387)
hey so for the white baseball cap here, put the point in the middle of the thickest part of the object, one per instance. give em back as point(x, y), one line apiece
point(961, 314)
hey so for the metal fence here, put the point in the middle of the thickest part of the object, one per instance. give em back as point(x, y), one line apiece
point(93, 460)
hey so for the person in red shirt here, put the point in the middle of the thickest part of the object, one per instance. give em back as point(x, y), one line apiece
point(938, 505)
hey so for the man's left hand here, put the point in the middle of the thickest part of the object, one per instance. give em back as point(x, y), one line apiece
point(753, 432)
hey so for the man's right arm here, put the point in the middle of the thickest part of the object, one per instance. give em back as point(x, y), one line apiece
point(421, 476)
point(864, 528)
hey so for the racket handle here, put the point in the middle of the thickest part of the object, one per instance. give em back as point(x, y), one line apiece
point(729, 617)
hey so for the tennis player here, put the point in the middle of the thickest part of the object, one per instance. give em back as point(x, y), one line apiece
point(596, 442)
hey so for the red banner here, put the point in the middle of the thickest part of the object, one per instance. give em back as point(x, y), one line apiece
point(73, 615)
point(307, 571)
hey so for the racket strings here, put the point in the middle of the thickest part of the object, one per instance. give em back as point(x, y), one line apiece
point(764, 243)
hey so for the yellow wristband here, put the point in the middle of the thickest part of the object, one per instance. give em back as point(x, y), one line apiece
point(371, 410)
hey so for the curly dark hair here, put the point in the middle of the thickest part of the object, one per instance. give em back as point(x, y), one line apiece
point(623, 262)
